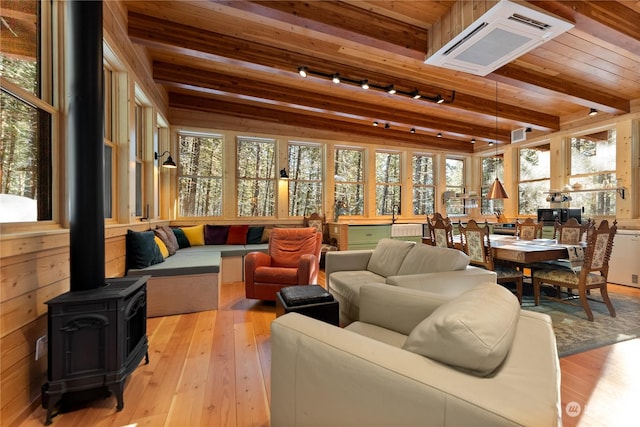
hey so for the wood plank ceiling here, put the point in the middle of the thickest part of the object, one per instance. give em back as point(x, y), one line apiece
point(241, 59)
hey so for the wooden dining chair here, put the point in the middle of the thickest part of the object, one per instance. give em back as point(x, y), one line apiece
point(477, 244)
point(440, 231)
point(591, 275)
point(569, 233)
point(528, 229)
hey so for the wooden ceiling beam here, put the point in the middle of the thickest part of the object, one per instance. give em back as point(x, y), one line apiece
point(518, 76)
point(611, 21)
point(293, 118)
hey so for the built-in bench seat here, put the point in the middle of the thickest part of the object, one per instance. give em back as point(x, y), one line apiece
point(189, 280)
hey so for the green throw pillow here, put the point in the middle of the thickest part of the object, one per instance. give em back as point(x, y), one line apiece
point(254, 235)
point(142, 250)
point(183, 242)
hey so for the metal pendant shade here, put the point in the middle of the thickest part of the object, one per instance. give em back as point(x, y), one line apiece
point(497, 191)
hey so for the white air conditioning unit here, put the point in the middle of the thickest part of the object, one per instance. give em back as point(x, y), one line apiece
point(502, 34)
point(518, 135)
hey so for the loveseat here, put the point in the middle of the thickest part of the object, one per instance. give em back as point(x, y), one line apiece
point(400, 263)
point(418, 359)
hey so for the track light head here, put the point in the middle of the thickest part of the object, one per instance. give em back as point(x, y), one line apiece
point(303, 71)
point(593, 112)
point(473, 140)
point(391, 89)
point(336, 78)
point(375, 124)
point(439, 135)
point(439, 99)
point(415, 94)
point(387, 125)
point(413, 130)
point(364, 84)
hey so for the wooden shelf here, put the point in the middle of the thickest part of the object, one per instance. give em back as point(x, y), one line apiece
point(619, 190)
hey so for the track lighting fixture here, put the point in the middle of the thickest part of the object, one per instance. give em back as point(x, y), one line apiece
point(593, 112)
point(528, 130)
point(387, 125)
point(490, 143)
point(473, 140)
point(375, 124)
point(413, 130)
point(389, 88)
point(439, 135)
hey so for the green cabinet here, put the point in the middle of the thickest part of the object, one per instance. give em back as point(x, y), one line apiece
point(367, 236)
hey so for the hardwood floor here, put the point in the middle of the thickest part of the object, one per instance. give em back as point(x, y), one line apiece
point(212, 369)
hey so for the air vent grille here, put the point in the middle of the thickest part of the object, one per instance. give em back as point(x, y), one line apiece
point(529, 21)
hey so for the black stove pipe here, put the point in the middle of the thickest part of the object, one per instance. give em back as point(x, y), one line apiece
point(85, 131)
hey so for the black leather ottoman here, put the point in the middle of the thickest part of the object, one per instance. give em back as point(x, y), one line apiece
point(310, 300)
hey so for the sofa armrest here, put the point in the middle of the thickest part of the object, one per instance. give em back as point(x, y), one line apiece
point(448, 283)
point(346, 260)
point(308, 269)
point(395, 308)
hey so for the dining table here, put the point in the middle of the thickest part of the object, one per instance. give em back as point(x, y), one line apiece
point(514, 249)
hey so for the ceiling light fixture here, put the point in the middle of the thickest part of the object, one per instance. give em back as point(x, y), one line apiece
point(389, 88)
point(375, 124)
point(473, 140)
point(439, 135)
point(387, 125)
point(528, 130)
point(497, 191)
point(593, 112)
point(413, 130)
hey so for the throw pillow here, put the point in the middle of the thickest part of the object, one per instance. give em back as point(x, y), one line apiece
point(388, 255)
point(254, 235)
point(237, 235)
point(181, 238)
point(195, 235)
point(472, 332)
point(216, 234)
point(266, 234)
point(142, 250)
point(163, 248)
point(168, 238)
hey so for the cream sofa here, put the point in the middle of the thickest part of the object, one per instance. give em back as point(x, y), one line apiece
point(442, 271)
point(474, 360)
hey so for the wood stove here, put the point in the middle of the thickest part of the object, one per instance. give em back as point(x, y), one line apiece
point(96, 339)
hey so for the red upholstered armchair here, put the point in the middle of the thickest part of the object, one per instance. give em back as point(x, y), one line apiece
point(293, 259)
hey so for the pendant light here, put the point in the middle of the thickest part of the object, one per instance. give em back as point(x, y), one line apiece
point(497, 191)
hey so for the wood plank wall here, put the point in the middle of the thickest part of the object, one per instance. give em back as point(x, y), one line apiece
point(34, 266)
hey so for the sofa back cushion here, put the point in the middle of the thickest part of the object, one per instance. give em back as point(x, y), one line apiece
point(432, 259)
point(472, 332)
point(388, 256)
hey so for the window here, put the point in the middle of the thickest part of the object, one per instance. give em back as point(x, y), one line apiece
point(139, 149)
point(25, 113)
point(256, 164)
point(455, 185)
point(109, 145)
point(492, 167)
point(200, 175)
point(593, 166)
point(349, 181)
point(305, 179)
point(424, 189)
point(388, 188)
point(534, 182)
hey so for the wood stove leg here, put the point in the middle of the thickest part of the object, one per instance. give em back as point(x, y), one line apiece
point(118, 390)
point(52, 400)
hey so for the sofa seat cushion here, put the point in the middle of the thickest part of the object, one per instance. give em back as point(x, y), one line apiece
point(280, 275)
point(473, 332)
point(185, 262)
point(378, 333)
point(388, 255)
point(432, 259)
point(345, 287)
